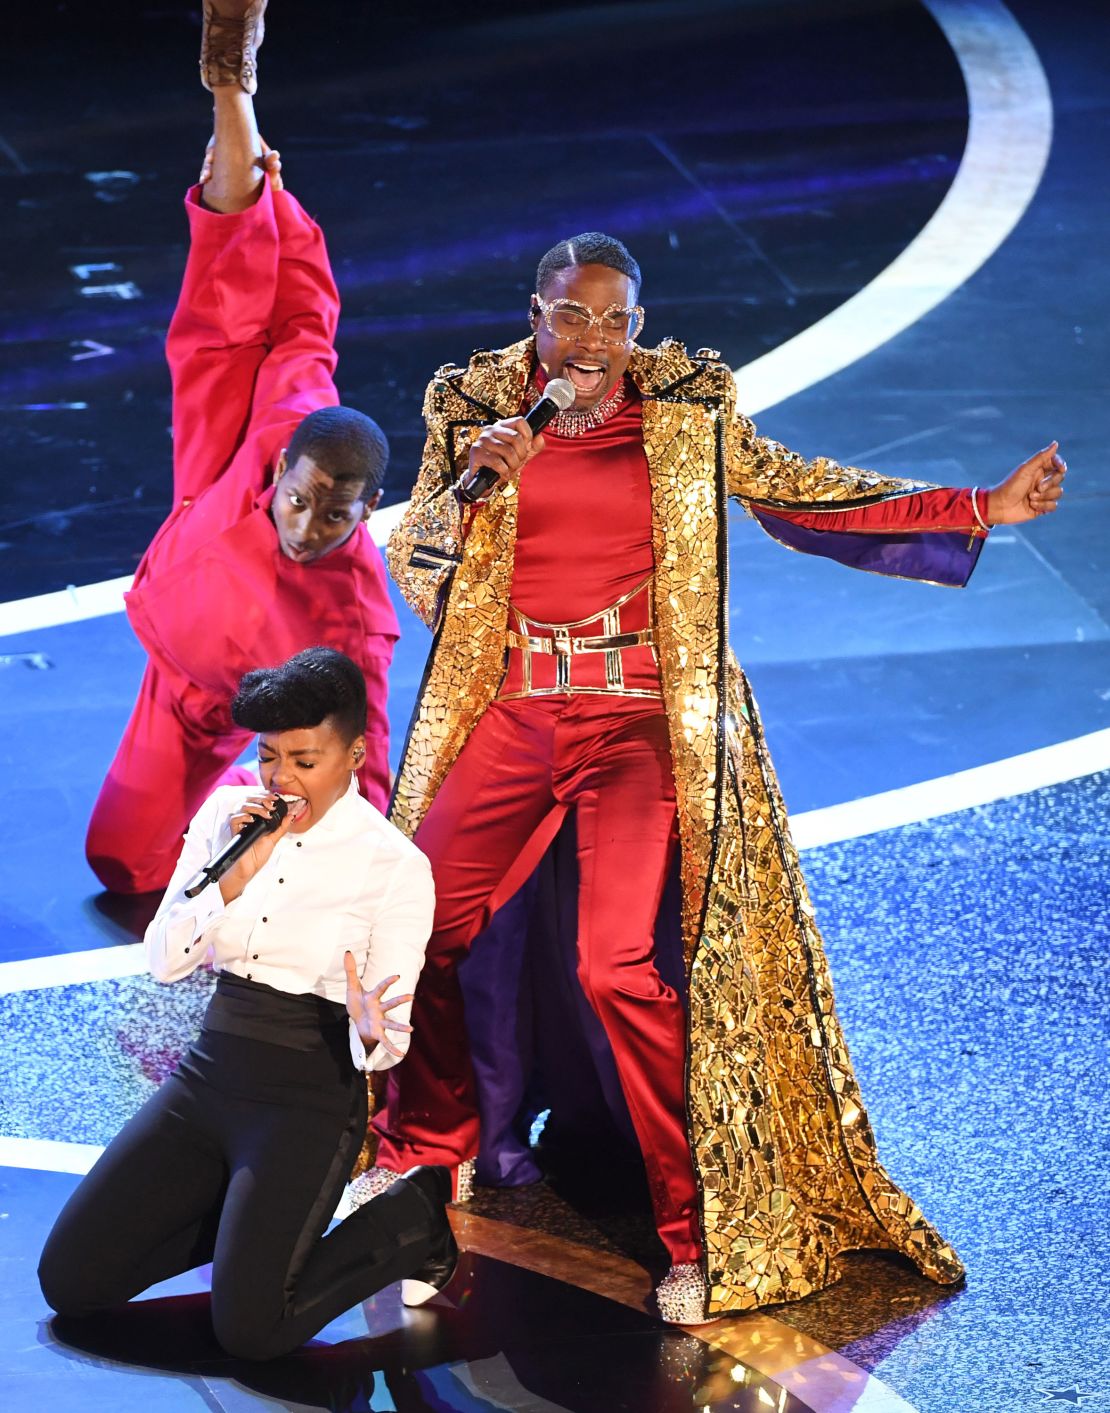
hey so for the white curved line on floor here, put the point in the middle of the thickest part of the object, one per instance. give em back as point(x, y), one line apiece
point(1009, 135)
point(1008, 139)
point(947, 794)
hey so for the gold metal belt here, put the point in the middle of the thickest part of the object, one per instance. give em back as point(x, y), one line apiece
point(558, 640)
point(644, 638)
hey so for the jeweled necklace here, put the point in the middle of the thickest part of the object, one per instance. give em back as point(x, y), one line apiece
point(573, 423)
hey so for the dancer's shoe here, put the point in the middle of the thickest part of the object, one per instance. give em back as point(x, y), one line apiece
point(682, 1296)
point(442, 1261)
point(229, 43)
point(375, 1180)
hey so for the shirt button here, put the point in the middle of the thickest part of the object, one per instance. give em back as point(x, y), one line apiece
point(249, 977)
point(298, 843)
point(186, 949)
point(264, 919)
point(255, 957)
point(281, 880)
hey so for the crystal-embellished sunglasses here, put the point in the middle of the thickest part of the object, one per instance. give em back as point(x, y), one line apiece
point(567, 320)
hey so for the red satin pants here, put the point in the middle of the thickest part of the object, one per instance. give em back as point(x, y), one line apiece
point(525, 764)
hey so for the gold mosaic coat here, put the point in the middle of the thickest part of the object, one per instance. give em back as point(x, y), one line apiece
point(783, 1151)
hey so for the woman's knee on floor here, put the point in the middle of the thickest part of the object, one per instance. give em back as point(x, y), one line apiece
point(74, 1282)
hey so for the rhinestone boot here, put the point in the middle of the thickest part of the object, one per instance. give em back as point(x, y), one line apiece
point(682, 1295)
point(375, 1181)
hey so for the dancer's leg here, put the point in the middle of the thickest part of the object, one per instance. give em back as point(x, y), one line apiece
point(147, 1210)
point(623, 785)
point(276, 1278)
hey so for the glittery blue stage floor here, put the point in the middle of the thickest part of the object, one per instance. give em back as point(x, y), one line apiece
point(970, 949)
point(972, 964)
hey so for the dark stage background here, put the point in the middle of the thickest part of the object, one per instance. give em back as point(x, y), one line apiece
point(755, 157)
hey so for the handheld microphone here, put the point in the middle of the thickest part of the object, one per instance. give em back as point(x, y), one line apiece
point(237, 847)
point(557, 397)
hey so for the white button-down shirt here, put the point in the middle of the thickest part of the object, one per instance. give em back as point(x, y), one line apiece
point(351, 883)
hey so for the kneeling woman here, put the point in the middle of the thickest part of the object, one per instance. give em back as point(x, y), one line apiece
point(241, 1156)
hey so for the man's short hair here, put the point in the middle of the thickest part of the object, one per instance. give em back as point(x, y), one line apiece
point(589, 248)
point(345, 444)
point(313, 686)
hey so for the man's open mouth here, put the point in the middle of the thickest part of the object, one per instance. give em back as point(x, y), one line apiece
point(587, 377)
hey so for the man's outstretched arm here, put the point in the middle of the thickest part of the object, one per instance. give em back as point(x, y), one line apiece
point(868, 521)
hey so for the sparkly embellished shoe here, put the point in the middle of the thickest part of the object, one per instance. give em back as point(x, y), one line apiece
point(682, 1295)
point(229, 43)
point(375, 1181)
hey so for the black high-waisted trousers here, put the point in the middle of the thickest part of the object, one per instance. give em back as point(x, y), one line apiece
point(240, 1159)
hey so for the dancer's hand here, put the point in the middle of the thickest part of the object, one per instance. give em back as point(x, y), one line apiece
point(1034, 488)
point(243, 870)
point(370, 1013)
point(270, 162)
point(504, 447)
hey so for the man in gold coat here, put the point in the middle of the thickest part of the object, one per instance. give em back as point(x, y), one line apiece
point(580, 650)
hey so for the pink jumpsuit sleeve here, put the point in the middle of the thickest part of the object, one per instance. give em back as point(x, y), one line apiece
point(219, 336)
point(296, 376)
point(251, 346)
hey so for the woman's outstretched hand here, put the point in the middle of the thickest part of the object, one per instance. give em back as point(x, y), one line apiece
point(370, 1013)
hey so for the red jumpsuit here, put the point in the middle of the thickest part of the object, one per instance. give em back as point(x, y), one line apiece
point(584, 541)
point(251, 353)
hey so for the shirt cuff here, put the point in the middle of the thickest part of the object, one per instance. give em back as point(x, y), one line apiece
point(377, 1059)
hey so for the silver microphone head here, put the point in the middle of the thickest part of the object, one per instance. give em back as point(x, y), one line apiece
point(561, 392)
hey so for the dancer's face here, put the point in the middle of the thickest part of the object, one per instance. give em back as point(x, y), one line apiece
point(592, 365)
point(313, 513)
point(313, 763)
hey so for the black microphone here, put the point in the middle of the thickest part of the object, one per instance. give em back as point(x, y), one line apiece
point(237, 847)
point(557, 397)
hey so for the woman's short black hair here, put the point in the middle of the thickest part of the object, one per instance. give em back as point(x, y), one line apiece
point(589, 248)
point(345, 444)
point(313, 686)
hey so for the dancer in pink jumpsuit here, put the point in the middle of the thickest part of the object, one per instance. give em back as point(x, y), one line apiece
point(266, 549)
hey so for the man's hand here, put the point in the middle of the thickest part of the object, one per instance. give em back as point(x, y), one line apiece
point(505, 448)
point(270, 163)
point(1031, 489)
point(257, 807)
point(369, 1011)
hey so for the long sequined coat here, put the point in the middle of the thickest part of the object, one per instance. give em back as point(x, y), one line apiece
point(783, 1150)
